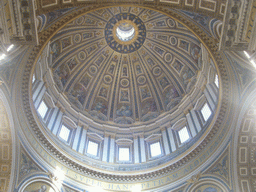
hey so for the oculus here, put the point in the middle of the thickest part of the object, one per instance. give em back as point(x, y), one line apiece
point(125, 33)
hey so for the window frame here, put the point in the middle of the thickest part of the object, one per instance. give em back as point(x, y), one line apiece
point(69, 136)
point(96, 138)
point(46, 113)
point(124, 147)
point(189, 134)
point(150, 151)
point(124, 143)
point(87, 146)
point(154, 138)
point(201, 114)
point(216, 78)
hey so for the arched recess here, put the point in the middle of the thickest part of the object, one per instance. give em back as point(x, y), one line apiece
point(207, 184)
point(40, 183)
point(244, 164)
point(7, 144)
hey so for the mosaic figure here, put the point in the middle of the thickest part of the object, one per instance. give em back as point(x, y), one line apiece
point(100, 107)
point(111, 68)
point(159, 50)
point(195, 53)
point(170, 94)
point(164, 82)
point(2, 184)
point(85, 81)
point(99, 60)
point(42, 189)
point(124, 96)
point(103, 92)
point(55, 50)
point(72, 63)
point(124, 110)
point(63, 73)
point(160, 24)
point(87, 35)
point(177, 65)
point(162, 37)
point(79, 92)
point(186, 74)
point(39, 187)
point(125, 71)
point(27, 166)
point(184, 45)
point(65, 42)
point(91, 49)
point(150, 62)
point(138, 69)
point(149, 106)
point(89, 21)
point(144, 93)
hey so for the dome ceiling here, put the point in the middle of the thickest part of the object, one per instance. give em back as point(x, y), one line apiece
point(135, 80)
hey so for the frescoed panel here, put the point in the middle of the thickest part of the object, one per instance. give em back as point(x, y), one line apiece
point(65, 42)
point(138, 68)
point(189, 3)
point(159, 50)
point(171, 1)
point(100, 106)
point(208, 188)
point(124, 95)
point(99, 60)
point(47, 3)
point(63, 74)
point(90, 21)
point(39, 187)
point(195, 52)
point(85, 80)
point(78, 93)
point(87, 35)
point(72, 63)
point(125, 71)
point(124, 110)
point(183, 45)
point(103, 92)
point(55, 50)
point(186, 75)
point(162, 37)
point(3, 184)
point(144, 92)
point(91, 49)
point(177, 65)
point(150, 61)
point(163, 82)
point(209, 5)
point(148, 107)
point(112, 68)
point(170, 94)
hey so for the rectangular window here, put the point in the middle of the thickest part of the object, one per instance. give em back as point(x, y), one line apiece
point(155, 149)
point(33, 78)
point(216, 80)
point(92, 148)
point(42, 109)
point(206, 112)
point(183, 134)
point(124, 154)
point(64, 133)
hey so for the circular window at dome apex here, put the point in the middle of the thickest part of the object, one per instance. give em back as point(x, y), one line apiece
point(125, 31)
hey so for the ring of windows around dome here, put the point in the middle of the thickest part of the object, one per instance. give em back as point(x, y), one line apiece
point(160, 141)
